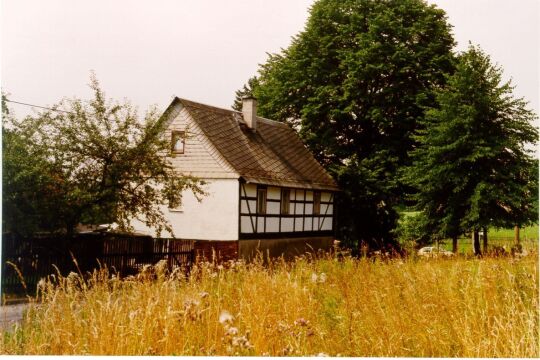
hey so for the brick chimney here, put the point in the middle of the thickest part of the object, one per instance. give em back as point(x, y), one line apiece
point(249, 110)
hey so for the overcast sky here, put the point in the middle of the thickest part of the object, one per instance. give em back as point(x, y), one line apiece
point(148, 51)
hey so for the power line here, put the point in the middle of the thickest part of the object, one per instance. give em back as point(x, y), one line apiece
point(38, 106)
point(226, 137)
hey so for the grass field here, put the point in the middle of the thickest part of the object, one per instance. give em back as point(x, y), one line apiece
point(529, 237)
point(501, 237)
point(461, 307)
point(527, 233)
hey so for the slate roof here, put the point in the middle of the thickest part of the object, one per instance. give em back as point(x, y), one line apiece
point(272, 155)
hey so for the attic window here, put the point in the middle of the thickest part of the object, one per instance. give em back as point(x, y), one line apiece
point(178, 142)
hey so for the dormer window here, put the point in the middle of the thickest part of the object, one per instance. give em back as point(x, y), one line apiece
point(178, 142)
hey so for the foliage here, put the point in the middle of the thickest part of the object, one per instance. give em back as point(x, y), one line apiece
point(29, 202)
point(472, 169)
point(354, 83)
point(247, 90)
point(89, 162)
point(413, 231)
point(352, 307)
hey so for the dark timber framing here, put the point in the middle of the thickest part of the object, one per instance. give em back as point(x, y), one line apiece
point(298, 201)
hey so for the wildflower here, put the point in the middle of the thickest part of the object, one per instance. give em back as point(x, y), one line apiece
point(242, 342)
point(41, 284)
point(204, 294)
point(301, 322)
point(282, 326)
point(132, 314)
point(72, 276)
point(318, 278)
point(231, 331)
point(225, 317)
point(286, 350)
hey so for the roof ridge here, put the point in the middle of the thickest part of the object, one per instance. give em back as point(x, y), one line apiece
point(273, 122)
point(196, 103)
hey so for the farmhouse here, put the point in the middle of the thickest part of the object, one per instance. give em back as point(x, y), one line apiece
point(265, 189)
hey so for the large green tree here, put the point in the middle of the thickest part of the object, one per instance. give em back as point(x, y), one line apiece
point(88, 162)
point(472, 168)
point(247, 90)
point(354, 83)
point(26, 175)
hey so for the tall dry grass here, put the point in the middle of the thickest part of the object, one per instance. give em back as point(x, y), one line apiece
point(461, 307)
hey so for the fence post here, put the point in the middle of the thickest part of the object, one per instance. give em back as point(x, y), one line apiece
point(485, 238)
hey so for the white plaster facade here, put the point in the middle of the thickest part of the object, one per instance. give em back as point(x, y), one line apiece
point(215, 217)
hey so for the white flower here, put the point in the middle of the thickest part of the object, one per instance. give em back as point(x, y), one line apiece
point(301, 322)
point(133, 314)
point(189, 303)
point(41, 283)
point(318, 278)
point(242, 342)
point(225, 317)
point(232, 331)
point(203, 294)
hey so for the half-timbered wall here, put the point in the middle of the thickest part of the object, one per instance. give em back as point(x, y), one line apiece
point(275, 220)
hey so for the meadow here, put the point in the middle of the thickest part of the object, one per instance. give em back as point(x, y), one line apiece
point(462, 307)
point(500, 238)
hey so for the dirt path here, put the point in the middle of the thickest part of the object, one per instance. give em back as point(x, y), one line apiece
point(10, 315)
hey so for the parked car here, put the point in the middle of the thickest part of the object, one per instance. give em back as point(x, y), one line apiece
point(431, 251)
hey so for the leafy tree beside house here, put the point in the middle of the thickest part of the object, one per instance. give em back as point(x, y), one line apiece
point(354, 83)
point(247, 90)
point(89, 162)
point(26, 174)
point(472, 168)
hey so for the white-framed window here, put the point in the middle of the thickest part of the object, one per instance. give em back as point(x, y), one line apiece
point(178, 142)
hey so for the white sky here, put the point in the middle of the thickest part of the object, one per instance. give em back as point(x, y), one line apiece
point(148, 51)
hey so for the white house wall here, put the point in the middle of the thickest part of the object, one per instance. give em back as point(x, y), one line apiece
point(214, 218)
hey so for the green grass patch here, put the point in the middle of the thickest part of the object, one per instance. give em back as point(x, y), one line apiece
point(529, 232)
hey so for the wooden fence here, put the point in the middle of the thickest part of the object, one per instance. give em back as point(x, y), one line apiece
point(34, 258)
